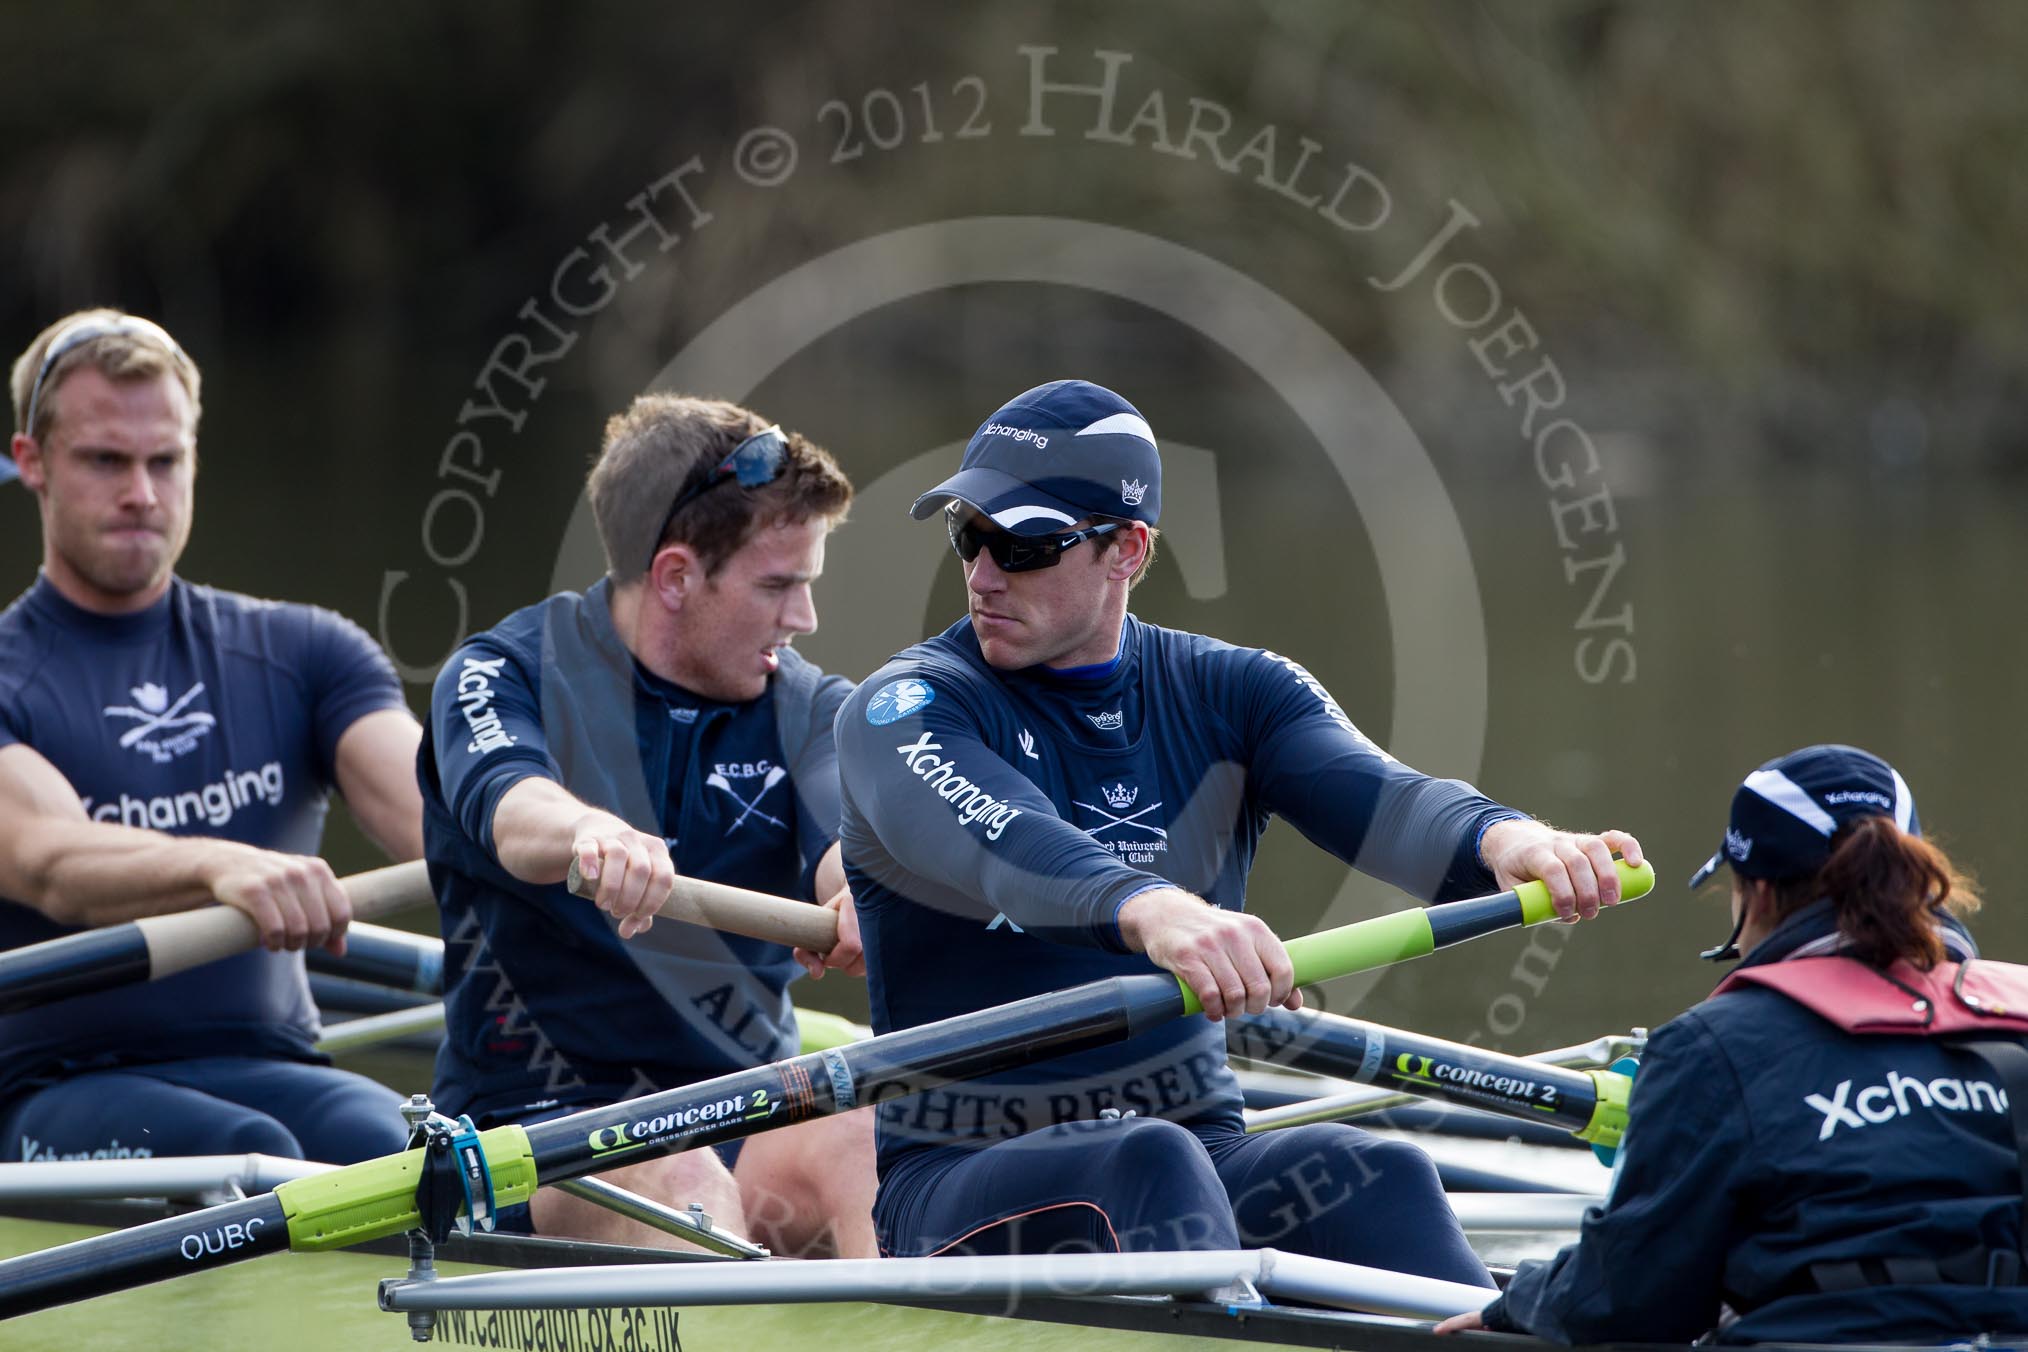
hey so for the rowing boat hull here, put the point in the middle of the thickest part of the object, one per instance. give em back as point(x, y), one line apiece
point(325, 1303)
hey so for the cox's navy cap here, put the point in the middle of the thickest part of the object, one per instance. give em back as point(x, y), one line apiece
point(1784, 815)
point(1053, 456)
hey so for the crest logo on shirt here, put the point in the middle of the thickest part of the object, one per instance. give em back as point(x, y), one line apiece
point(897, 700)
point(682, 715)
point(162, 729)
point(1129, 832)
point(1027, 740)
point(721, 778)
point(1111, 722)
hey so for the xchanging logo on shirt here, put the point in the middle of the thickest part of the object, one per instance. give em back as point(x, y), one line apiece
point(475, 699)
point(210, 805)
point(1900, 1096)
point(968, 800)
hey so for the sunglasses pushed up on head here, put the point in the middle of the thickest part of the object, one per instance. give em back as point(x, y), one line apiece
point(1014, 553)
point(755, 462)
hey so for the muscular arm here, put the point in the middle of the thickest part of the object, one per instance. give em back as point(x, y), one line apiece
point(1313, 766)
point(376, 776)
point(1438, 839)
point(80, 872)
point(539, 827)
point(504, 789)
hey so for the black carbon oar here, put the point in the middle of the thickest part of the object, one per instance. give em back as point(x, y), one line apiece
point(1590, 1104)
point(162, 945)
point(386, 957)
point(377, 1197)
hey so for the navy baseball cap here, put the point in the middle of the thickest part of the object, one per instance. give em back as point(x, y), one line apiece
point(1053, 456)
point(1786, 812)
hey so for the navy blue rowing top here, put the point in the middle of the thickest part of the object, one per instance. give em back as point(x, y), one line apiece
point(207, 714)
point(994, 822)
point(546, 1004)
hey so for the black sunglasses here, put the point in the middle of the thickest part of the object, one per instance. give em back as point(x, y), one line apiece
point(754, 462)
point(1016, 553)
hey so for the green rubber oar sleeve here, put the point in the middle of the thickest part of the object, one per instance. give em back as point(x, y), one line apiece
point(377, 1197)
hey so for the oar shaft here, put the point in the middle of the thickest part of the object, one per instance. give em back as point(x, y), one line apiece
point(736, 910)
point(145, 1253)
point(386, 957)
point(76, 964)
point(855, 1075)
point(1427, 1066)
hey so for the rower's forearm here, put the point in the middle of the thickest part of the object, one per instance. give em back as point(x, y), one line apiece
point(92, 873)
point(535, 823)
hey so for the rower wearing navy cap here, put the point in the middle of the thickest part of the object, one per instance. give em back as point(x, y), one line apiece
point(165, 745)
point(1831, 1145)
point(1052, 791)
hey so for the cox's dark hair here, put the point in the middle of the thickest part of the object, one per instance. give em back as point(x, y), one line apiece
point(1890, 888)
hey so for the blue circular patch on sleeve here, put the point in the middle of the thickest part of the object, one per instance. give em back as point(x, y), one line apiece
point(898, 699)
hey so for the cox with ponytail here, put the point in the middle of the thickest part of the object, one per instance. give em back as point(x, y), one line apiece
point(1894, 893)
point(1831, 1145)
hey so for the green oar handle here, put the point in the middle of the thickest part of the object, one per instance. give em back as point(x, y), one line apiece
point(1387, 939)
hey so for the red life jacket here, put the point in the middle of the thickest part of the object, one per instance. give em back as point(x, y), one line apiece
point(1950, 1000)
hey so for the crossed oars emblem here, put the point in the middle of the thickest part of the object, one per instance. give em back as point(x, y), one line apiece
point(1131, 819)
point(156, 714)
point(750, 808)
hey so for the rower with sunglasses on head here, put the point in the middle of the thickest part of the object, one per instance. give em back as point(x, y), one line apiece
point(1831, 1146)
point(165, 745)
point(1052, 791)
point(658, 722)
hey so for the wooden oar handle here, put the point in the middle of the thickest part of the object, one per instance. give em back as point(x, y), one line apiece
point(186, 939)
point(735, 910)
point(383, 891)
